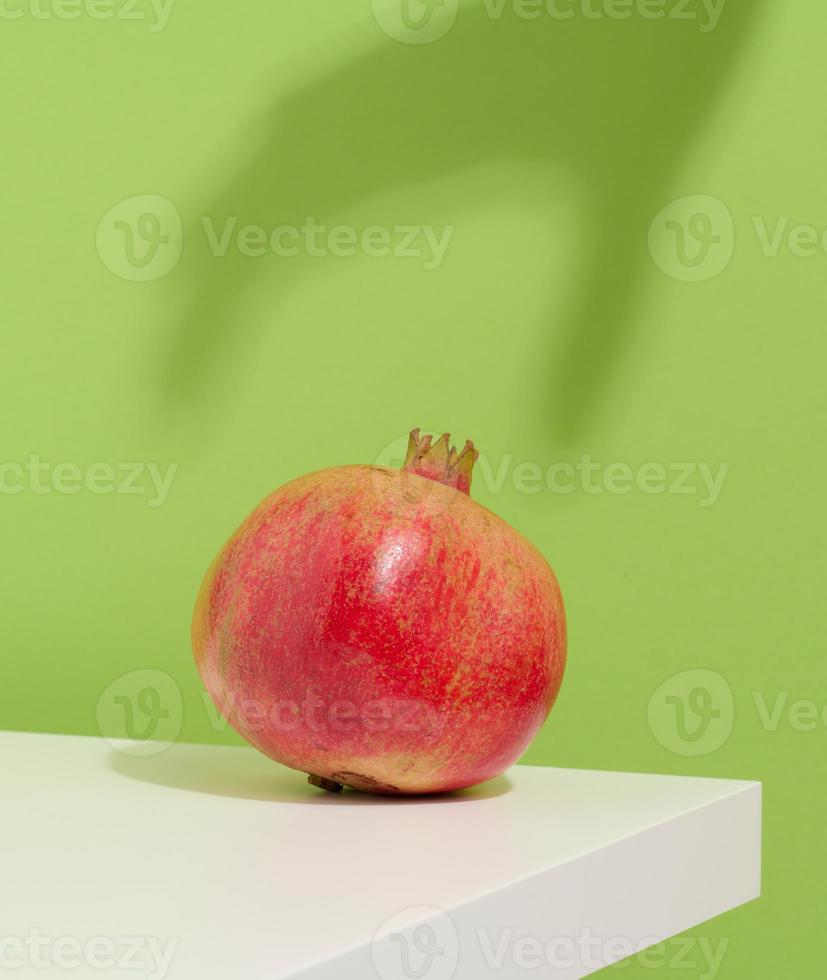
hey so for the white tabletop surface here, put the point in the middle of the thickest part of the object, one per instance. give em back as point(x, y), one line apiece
point(216, 862)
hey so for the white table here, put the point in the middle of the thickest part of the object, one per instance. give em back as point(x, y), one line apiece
point(234, 868)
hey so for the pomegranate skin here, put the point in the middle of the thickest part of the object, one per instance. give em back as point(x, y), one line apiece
point(379, 629)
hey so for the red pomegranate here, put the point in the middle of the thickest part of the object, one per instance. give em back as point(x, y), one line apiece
point(379, 629)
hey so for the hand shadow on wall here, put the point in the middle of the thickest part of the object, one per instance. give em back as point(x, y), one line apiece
point(615, 103)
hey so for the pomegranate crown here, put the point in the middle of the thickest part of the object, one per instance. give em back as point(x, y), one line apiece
point(440, 461)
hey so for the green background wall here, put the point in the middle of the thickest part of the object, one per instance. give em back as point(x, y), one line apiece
point(561, 323)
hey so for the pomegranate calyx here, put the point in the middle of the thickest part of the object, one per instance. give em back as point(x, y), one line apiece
point(440, 461)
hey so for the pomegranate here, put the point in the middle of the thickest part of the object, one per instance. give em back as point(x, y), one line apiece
point(377, 628)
